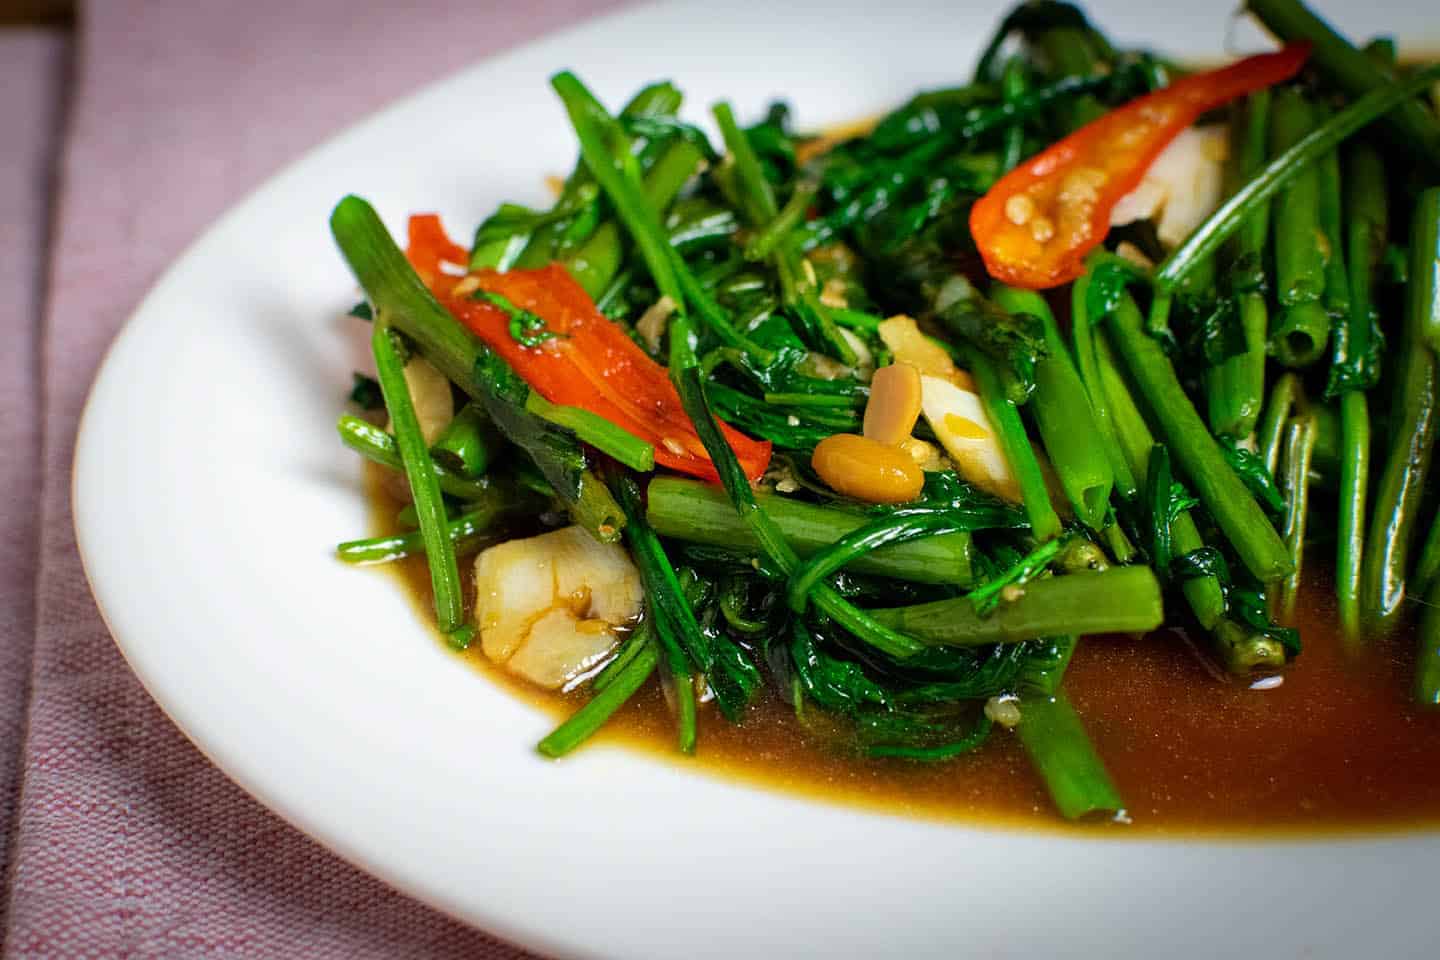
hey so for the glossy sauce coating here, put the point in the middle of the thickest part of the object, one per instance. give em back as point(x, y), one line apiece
point(1336, 747)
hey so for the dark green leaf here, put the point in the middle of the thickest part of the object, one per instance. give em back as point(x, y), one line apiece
point(365, 392)
point(1250, 468)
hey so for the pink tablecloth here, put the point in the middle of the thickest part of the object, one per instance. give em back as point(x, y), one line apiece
point(123, 841)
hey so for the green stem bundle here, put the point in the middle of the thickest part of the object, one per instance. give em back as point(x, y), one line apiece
point(1064, 416)
point(1015, 442)
point(1220, 490)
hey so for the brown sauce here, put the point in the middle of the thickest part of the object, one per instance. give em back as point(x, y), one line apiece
point(1337, 747)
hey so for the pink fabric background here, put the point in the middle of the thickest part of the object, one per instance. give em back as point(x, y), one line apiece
point(123, 841)
point(32, 83)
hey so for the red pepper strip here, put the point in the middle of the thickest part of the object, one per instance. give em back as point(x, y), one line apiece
point(1037, 223)
point(594, 365)
point(591, 363)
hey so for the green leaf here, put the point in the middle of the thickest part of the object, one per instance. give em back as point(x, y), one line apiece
point(365, 392)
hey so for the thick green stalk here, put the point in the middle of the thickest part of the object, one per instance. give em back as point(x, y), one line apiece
point(1356, 363)
point(1041, 675)
point(392, 287)
point(420, 472)
point(1012, 87)
point(700, 513)
point(778, 230)
point(1241, 648)
point(1302, 330)
point(1118, 600)
point(580, 195)
point(1400, 492)
point(1412, 128)
point(1350, 525)
point(1299, 259)
point(1063, 414)
point(1353, 370)
point(1056, 742)
point(1219, 489)
point(1300, 335)
point(1299, 446)
point(852, 546)
point(1083, 336)
point(620, 178)
point(1205, 595)
point(682, 683)
point(1075, 51)
point(1425, 257)
point(468, 444)
point(595, 430)
point(1015, 442)
point(1337, 280)
point(1284, 397)
point(1427, 570)
point(1427, 665)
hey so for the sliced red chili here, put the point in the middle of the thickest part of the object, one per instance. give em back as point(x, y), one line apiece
point(589, 363)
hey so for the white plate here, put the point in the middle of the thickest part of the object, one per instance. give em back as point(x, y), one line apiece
point(207, 537)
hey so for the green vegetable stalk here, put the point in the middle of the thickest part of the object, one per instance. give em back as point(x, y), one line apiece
point(1400, 491)
point(1354, 369)
point(1220, 490)
point(1299, 448)
point(1236, 389)
point(1015, 442)
point(595, 430)
point(1057, 744)
point(468, 444)
point(1303, 328)
point(1118, 600)
point(420, 472)
point(1063, 413)
point(1427, 667)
